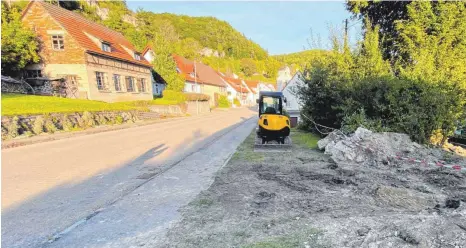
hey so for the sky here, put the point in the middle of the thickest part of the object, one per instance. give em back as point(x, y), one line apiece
point(278, 27)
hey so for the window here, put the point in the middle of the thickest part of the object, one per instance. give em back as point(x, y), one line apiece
point(130, 84)
point(58, 42)
point(116, 81)
point(142, 85)
point(137, 56)
point(100, 79)
point(32, 73)
point(106, 47)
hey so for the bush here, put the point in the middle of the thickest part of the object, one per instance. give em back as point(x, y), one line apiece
point(223, 102)
point(387, 103)
point(236, 102)
point(196, 97)
point(171, 95)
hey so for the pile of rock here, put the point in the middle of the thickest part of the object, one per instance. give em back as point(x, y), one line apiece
point(370, 148)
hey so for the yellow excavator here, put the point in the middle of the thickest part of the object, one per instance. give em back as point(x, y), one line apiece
point(273, 125)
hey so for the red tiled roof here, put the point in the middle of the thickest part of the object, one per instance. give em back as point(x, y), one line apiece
point(236, 84)
point(205, 74)
point(146, 49)
point(76, 25)
point(252, 84)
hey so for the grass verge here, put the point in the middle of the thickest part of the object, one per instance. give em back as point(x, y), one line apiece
point(17, 104)
point(304, 138)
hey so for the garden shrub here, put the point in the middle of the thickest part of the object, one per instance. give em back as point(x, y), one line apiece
point(223, 102)
point(417, 108)
point(38, 127)
point(236, 102)
point(196, 97)
point(171, 95)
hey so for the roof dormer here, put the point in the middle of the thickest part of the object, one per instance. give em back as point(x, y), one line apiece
point(106, 46)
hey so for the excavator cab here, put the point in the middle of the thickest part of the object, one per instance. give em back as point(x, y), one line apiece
point(273, 124)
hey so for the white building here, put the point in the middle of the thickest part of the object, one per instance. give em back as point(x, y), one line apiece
point(283, 77)
point(293, 105)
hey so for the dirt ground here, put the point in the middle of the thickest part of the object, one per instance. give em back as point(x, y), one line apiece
point(304, 199)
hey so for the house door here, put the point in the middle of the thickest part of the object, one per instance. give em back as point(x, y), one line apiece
point(293, 121)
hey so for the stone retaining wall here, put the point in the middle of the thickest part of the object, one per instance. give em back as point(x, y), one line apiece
point(29, 125)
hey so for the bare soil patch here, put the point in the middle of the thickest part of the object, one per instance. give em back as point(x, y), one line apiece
point(305, 199)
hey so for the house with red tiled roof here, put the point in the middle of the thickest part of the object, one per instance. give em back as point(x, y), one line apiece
point(101, 63)
point(200, 78)
point(238, 89)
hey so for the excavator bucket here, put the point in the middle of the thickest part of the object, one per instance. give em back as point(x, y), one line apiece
point(272, 146)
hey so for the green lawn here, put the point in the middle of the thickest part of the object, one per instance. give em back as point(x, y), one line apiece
point(16, 104)
point(304, 138)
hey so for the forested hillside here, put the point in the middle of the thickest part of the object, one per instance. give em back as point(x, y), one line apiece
point(300, 60)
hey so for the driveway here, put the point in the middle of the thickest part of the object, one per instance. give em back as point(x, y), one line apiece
point(113, 189)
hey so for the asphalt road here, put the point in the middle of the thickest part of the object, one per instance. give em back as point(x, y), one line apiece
point(114, 189)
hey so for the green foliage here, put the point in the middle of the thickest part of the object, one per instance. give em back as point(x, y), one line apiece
point(302, 60)
point(248, 67)
point(15, 104)
point(223, 102)
point(236, 102)
point(171, 95)
point(19, 44)
point(196, 97)
point(307, 139)
point(119, 119)
point(383, 103)
point(359, 88)
point(384, 14)
point(433, 42)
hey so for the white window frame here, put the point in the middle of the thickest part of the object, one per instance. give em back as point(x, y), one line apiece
point(131, 83)
point(60, 42)
point(137, 56)
point(106, 47)
point(100, 80)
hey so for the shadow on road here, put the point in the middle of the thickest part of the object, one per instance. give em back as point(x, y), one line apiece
point(39, 218)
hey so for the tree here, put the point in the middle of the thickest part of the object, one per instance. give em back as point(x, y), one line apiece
point(19, 44)
point(383, 14)
point(433, 42)
point(248, 67)
point(164, 64)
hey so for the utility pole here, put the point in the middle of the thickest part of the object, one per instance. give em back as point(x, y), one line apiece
point(346, 28)
point(195, 83)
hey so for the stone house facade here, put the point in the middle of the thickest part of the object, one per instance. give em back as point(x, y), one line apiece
point(101, 62)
